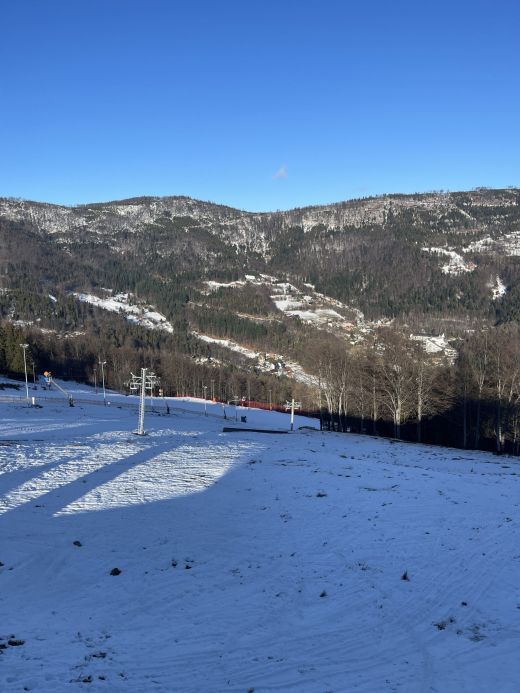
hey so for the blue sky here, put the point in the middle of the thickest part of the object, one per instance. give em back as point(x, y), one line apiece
point(259, 105)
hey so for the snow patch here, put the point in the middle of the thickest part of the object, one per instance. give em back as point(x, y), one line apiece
point(311, 307)
point(265, 362)
point(456, 263)
point(140, 314)
point(215, 286)
point(435, 345)
point(498, 288)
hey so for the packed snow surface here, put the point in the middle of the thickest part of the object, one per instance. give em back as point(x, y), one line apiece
point(304, 562)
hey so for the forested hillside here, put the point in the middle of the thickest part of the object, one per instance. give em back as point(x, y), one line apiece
point(202, 292)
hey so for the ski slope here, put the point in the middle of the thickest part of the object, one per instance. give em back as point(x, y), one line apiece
point(249, 562)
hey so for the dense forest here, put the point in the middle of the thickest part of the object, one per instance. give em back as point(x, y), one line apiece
point(385, 259)
point(389, 386)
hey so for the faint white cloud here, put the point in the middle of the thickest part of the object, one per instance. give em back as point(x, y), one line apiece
point(281, 173)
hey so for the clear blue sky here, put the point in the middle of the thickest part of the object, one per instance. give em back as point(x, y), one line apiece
point(257, 104)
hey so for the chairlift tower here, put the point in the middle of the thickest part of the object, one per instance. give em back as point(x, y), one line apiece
point(145, 381)
point(292, 405)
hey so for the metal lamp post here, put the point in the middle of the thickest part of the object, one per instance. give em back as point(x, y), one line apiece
point(25, 347)
point(103, 364)
point(205, 388)
point(142, 400)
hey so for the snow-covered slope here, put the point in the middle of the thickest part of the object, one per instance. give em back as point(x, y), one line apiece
point(310, 306)
point(453, 262)
point(124, 303)
point(267, 363)
point(306, 562)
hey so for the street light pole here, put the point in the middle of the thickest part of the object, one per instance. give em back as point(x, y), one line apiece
point(25, 347)
point(205, 388)
point(103, 364)
point(142, 398)
point(235, 401)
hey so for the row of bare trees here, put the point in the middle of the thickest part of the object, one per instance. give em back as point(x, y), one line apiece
point(488, 376)
point(473, 398)
point(392, 377)
point(389, 381)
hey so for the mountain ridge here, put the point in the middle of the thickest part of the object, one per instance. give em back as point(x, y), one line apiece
point(258, 232)
point(437, 262)
point(148, 198)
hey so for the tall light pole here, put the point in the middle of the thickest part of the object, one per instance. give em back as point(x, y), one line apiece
point(25, 347)
point(103, 364)
point(142, 398)
point(235, 401)
point(205, 388)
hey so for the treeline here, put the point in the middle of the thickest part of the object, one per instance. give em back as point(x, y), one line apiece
point(126, 351)
point(248, 299)
point(227, 324)
point(392, 387)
